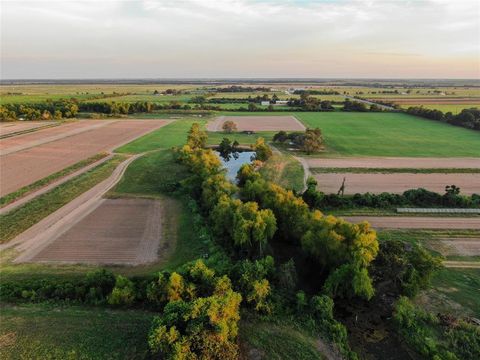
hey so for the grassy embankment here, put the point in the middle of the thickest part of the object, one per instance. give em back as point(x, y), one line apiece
point(43, 331)
point(20, 219)
point(9, 198)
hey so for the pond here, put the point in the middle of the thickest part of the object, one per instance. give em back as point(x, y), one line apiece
point(234, 162)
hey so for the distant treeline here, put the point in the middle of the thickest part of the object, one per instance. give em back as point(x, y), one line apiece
point(467, 118)
point(42, 111)
point(236, 88)
point(316, 92)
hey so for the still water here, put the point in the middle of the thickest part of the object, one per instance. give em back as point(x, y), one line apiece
point(235, 162)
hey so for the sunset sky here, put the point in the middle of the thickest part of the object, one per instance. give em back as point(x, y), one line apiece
point(240, 38)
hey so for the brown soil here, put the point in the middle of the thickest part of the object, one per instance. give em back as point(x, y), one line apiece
point(417, 222)
point(258, 123)
point(120, 231)
point(18, 126)
point(26, 166)
point(394, 162)
point(396, 183)
point(457, 246)
point(43, 136)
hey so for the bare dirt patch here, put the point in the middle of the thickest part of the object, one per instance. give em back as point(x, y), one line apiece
point(417, 222)
point(456, 246)
point(26, 166)
point(395, 162)
point(118, 231)
point(7, 128)
point(258, 123)
point(43, 136)
point(396, 183)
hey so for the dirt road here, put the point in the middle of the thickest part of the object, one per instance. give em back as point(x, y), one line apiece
point(394, 162)
point(418, 222)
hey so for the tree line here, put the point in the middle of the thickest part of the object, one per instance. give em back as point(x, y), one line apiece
point(467, 118)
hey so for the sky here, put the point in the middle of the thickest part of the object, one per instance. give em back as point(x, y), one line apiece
point(240, 38)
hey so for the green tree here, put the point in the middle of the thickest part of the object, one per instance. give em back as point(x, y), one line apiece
point(197, 138)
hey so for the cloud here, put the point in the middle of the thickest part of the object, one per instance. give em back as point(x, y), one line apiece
point(238, 38)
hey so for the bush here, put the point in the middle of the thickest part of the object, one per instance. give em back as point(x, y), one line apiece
point(123, 293)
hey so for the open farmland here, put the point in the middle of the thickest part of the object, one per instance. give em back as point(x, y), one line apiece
point(9, 128)
point(390, 135)
point(394, 162)
point(258, 123)
point(417, 222)
point(396, 183)
point(119, 231)
point(23, 167)
point(43, 136)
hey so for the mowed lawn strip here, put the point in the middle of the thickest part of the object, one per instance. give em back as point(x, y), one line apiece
point(390, 134)
point(7, 199)
point(20, 219)
point(42, 331)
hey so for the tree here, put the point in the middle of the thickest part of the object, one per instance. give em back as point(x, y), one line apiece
point(229, 126)
point(262, 151)
point(197, 138)
point(312, 141)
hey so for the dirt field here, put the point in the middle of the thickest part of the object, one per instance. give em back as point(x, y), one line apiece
point(120, 231)
point(43, 136)
point(23, 167)
point(396, 183)
point(397, 162)
point(17, 126)
point(258, 123)
point(456, 246)
point(417, 222)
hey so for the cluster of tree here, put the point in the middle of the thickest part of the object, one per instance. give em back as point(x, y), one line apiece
point(200, 314)
point(310, 103)
point(310, 141)
point(413, 198)
point(405, 267)
point(42, 111)
point(459, 340)
point(115, 108)
point(316, 92)
point(467, 118)
point(239, 88)
point(349, 105)
point(342, 249)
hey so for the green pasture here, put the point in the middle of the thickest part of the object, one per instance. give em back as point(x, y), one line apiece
point(43, 331)
point(391, 134)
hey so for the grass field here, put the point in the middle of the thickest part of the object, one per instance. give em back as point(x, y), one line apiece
point(73, 332)
point(278, 341)
point(284, 170)
point(174, 134)
point(391, 134)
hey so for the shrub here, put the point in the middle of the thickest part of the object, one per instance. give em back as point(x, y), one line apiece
point(123, 293)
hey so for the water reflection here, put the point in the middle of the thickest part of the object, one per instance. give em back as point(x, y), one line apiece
point(234, 161)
